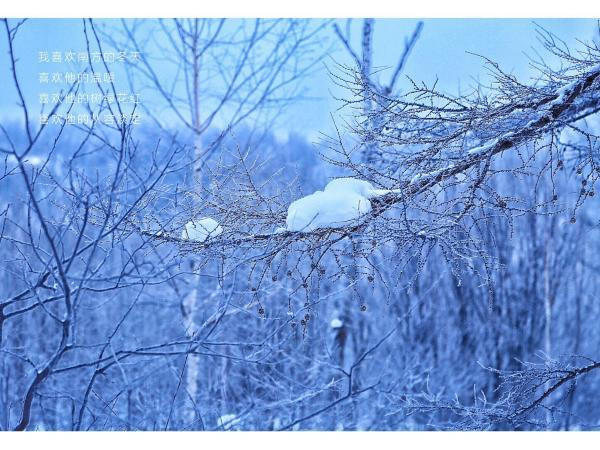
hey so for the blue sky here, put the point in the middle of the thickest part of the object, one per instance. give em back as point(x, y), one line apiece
point(441, 52)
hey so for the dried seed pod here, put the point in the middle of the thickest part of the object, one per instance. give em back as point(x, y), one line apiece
point(261, 311)
point(363, 308)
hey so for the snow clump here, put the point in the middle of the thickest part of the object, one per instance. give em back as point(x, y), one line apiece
point(343, 200)
point(201, 229)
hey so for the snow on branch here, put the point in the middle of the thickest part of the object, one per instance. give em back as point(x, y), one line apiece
point(447, 166)
point(346, 200)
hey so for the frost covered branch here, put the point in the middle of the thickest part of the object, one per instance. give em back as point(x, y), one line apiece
point(437, 182)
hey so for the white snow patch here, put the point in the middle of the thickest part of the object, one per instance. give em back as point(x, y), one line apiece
point(35, 160)
point(483, 148)
point(460, 177)
point(32, 160)
point(353, 185)
point(429, 175)
point(342, 201)
point(336, 323)
point(227, 421)
point(201, 229)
